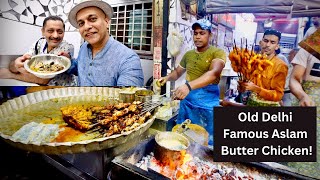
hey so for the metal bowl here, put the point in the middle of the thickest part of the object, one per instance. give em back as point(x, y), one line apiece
point(166, 152)
point(126, 96)
point(144, 95)
point(47, 59)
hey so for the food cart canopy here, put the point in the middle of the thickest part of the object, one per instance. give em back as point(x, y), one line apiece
point(294, 8)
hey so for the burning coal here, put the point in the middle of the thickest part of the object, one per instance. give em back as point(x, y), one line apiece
point(192, 168)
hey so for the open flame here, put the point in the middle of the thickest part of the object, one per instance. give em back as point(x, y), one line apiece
point(187, 157)
point(191, 168)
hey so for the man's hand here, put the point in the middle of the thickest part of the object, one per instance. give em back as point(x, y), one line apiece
point(250, 86)
point(306, 101)
point(66, 54)
point(181, 92)
point(225, 103)
point(162, 81)
point(18, 64)
point(5, 73)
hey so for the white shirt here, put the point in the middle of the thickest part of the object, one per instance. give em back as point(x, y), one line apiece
point(41, 47)
point(310, 31)
point(284, 58)
point(311, 63)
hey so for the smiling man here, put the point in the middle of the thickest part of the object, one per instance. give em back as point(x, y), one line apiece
point(203, 66)
point(51, 42)
point(102, 61)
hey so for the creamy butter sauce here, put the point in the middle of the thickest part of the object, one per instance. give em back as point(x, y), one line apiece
point(172, 144)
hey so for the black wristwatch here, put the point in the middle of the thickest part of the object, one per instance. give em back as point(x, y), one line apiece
point(189, 87)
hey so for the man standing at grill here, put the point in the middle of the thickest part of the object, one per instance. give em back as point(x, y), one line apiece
point(203, 66)
point(102, 61)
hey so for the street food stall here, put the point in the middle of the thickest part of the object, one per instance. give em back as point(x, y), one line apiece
point(301, 8)
point(80, 125)
point(91, 133)
point(103, 133)
point(60, 121)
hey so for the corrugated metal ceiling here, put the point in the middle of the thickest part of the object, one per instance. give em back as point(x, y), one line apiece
point(294, 8)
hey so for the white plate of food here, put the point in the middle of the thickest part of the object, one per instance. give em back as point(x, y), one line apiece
point(47, 66)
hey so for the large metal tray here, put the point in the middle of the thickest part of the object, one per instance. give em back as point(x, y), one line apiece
point(10, 108)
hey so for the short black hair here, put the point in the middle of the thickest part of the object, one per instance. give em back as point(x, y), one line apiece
point(273, 32)
point(54, 18)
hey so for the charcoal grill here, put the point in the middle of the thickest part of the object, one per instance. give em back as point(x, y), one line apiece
point(123, 166)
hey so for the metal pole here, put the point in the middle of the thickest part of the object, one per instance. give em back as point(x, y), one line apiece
point(165, 32)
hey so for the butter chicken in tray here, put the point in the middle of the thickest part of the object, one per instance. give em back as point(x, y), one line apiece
point(72, 120)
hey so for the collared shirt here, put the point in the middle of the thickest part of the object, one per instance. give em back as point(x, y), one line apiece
point(273, 80)
point(41, 47)
point(311, 63)
point(283, 58)
point(114, 65)
point(310, 31)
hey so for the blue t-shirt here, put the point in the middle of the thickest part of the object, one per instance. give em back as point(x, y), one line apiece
point(114, 65)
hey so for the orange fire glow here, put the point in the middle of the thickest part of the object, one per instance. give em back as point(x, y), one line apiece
point(187, 157)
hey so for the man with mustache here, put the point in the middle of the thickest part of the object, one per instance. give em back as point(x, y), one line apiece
point(273, 78)
point(51, 43)
point(102, 61)
point(203, 66)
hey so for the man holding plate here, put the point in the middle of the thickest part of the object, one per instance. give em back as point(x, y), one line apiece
point(51, 43)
